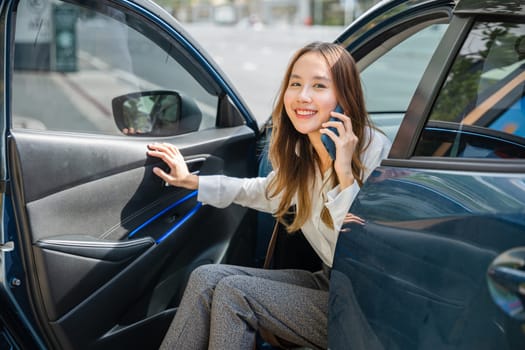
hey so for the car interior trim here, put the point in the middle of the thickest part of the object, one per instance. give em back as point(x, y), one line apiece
point(44, 185)
point(90, 247)
point(161, 213)
point(180, 222)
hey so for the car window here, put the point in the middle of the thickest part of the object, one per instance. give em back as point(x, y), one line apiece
point(71, 63)
point(390, 81)
point(480, 110)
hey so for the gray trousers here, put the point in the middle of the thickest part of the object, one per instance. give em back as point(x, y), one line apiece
point(223, 306)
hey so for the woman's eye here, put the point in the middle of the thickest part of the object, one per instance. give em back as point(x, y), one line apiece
point(293, 83)
point(319, 86)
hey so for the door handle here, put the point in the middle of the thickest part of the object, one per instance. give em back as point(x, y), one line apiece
point(506, 282)
point(194, 166)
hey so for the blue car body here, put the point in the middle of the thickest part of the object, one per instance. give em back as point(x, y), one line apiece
point(439, 262)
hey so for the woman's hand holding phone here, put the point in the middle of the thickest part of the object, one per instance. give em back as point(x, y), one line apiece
point(346, 140)
point(327, 141)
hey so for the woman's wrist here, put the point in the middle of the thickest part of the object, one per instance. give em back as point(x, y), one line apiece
point(191, 182)
point(346, 182)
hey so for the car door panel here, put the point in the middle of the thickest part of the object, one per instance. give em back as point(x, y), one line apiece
point(392, 47)
point(70, 268)
point(143, 293)
point(101, 247)
point(431, 259)
point(118, 191)
point(439, 261)
point(119, 235)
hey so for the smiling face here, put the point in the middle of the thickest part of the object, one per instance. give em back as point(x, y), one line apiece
point(310, 94)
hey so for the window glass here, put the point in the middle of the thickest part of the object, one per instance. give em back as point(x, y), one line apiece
point(480, 110)
point(72, 62)
point(390, 81)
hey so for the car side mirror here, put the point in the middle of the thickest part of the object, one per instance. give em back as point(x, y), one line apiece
point(148, 113)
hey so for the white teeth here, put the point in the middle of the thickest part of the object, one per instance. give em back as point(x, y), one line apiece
point(303, 112)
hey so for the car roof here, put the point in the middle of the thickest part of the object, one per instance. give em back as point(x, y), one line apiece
point(493, 7)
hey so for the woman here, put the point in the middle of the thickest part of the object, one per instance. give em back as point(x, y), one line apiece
point(224, 306)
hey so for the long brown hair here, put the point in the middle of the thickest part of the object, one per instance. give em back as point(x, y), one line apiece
point(291, 152)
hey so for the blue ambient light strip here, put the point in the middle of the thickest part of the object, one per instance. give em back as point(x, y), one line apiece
point(162, 212)
point(180, 222)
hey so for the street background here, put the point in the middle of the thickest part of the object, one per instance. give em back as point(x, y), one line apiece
point(255, 58)
point(81, 60)
point(253, 40)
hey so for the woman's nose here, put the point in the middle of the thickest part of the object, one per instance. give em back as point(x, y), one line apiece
point(304, 95)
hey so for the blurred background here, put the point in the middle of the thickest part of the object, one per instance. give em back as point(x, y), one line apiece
point(253, 40)
point(267, 12)
point(58, 44)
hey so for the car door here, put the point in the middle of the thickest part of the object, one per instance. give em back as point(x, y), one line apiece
point(99, 247)
point(392, 44)
point(439, 262)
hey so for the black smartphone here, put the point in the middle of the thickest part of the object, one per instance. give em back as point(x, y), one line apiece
point(327, 141)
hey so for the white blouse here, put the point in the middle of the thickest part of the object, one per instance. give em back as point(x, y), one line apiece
point(221, 191)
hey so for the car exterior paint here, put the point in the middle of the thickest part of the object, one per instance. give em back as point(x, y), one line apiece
point(444, 231)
